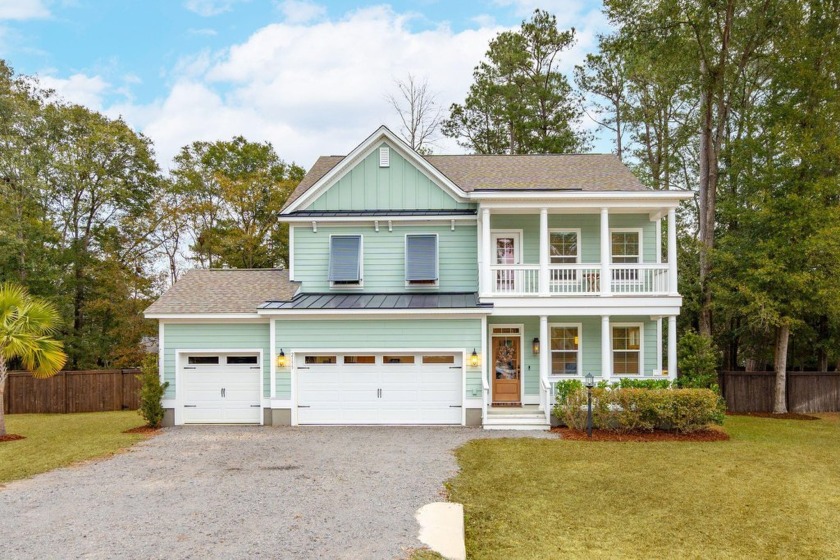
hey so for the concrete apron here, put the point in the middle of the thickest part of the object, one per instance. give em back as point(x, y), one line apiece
point(442, 529)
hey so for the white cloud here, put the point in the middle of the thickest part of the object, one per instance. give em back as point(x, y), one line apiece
point(84, 90)
point(23, 9)
point(301, 11)
point(208, 8)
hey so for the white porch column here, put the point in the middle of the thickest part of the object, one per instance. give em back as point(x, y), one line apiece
point(659, 345)
point(486, 284)
point(672, 254)
point(605, 252)
point(544, 257)
point(545, 349)
point(606, 348)
point(672, 347)
point(272, 345)
point(659, 241)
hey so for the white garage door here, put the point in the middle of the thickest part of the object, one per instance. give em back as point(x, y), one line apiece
point(221, 388)
point(394, 388)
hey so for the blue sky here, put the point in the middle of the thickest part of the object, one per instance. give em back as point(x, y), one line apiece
point(311, 77)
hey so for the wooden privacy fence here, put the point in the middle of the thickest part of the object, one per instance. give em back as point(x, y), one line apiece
point(72, 391)
point(754, 391)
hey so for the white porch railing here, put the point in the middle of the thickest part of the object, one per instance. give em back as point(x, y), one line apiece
point(515, 279)
point(639, 278)
point(579, 279)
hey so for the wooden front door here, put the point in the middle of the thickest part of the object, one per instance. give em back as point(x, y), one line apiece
point(507, 374)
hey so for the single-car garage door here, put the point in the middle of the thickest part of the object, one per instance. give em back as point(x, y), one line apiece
point(393, 388)
point(221, 388)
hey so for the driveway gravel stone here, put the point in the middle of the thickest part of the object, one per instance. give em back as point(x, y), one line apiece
point(237, 492)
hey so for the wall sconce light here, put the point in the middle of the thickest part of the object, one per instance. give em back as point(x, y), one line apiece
point(535, 346)
point(474, 361)
point(281, 359)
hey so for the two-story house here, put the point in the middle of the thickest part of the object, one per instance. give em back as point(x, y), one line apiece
point(431, 290)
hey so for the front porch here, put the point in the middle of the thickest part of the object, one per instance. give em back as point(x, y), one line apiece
point(525, 356)
point(571, 252)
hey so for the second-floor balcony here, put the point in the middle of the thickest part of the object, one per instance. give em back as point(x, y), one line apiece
point(579, 280)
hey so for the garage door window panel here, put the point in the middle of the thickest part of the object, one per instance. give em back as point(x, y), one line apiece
point(320, 360)
point(203, 360)
point(438, 359)
point(359, 359)
point(242, 360)
point(398, 359)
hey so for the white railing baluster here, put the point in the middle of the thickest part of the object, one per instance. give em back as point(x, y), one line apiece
point(579, 279)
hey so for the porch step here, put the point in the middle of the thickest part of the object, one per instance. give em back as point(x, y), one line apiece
point(516, 421)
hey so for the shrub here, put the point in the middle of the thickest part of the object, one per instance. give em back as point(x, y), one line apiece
point(629, 409)
point(151, 392)
point(629, 383)
point(698, 359)
point(563, 388)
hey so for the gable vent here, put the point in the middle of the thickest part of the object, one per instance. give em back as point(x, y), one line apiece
point(384, 157)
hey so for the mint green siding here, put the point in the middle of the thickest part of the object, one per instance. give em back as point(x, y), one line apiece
point(383, 256)
point(590, 344)
point(375, 334)
point(590, 232)
point(401, 186)
point(216, 336)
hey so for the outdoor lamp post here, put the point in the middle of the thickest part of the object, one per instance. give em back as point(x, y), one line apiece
point(590, 383)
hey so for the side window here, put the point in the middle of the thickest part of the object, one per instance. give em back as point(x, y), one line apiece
point(421, 259)
point(345, 260)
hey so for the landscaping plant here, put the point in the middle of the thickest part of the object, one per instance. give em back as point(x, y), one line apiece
point(698, 360)
point(27, 324)
point(151, 392)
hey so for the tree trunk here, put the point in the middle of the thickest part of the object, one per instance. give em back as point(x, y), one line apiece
point(3, 375)
point(780, 401)
point(705, 184)
point(822, 353)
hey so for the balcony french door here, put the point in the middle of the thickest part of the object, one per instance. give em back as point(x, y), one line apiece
point(507, 253)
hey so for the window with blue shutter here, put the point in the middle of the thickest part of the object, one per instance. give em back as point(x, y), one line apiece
point(421, 259)
point(345, 259)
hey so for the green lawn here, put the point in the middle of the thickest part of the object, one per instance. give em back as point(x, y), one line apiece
point(772, 491)
point(58, 440)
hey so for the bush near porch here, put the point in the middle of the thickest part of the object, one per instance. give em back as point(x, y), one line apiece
point(638, 409)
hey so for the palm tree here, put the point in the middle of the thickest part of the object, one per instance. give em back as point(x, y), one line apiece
point(26, 326)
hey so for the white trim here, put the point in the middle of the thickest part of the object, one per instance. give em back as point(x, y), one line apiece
point(485, 252)
point(291, 253)
point(220, 317)
point(673, 277)
point(521, 328)
point(408, 284)
point(279, 404)
point(356, 220)
point(559, 196)
point(485, 369)
point(658, 346)
point(576, 231)
point(161, 354)
point(641, 234)
point(672, 347)
point(641, 327)
point(361, 283)
point(178, 401)
point(586, 306)
point(272, 363)
point(364, 149)
point(579, 327)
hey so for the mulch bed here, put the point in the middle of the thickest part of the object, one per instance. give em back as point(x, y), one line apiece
point(11, 437)
point(787, 416)
point(605, 435)
point(142, 430)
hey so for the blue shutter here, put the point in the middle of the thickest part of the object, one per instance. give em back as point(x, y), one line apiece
point(345, 258)
point(421, 258)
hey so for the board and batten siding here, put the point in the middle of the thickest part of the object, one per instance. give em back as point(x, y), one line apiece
point(590, 232)
point(327, 335)
point(400, 186)
point(383, 257)
point(214, 337)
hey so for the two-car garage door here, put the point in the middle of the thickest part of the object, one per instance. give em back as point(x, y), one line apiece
point(379, 388)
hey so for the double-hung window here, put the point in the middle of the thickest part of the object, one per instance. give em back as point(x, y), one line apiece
point(345, 261)
point(626, 248)
point(421, 259)
point(627, 349)
point(565, 350)
point(564, 248)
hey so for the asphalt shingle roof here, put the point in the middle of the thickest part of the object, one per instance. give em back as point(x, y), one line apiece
point(546, 172)
point(224, 291)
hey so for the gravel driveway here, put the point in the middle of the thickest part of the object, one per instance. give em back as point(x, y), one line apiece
point(236, 492)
